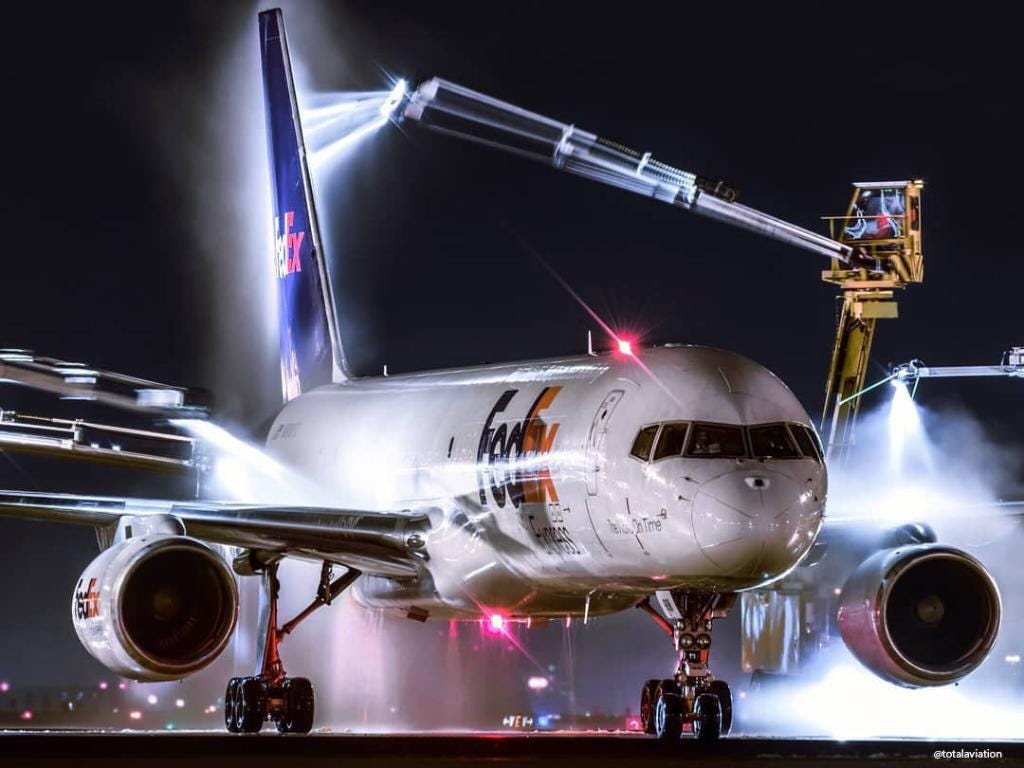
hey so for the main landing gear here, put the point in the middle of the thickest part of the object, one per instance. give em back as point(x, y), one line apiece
point(693, 696)
point(271, 695)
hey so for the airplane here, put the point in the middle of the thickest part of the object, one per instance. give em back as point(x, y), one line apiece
point(671, 479)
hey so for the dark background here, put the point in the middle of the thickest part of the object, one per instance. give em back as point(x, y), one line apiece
point(134, 197)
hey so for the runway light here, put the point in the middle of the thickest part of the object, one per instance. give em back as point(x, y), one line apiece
point(496, 623)
point(26, 715)
point(537, 683)
point(625, 347)
point(122, 685)
point(135, 714)
point(5, 687)
point(1013, 658)
point(103, 685)
point(151, 699)
point(179, 703)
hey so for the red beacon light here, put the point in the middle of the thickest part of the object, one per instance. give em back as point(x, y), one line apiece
point(496, 623)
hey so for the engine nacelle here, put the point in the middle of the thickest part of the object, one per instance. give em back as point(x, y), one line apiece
point(156, 607)
point(920, 615)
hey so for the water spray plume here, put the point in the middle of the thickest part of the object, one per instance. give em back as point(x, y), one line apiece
point(906, 432)
point(243, 472)
point(333, 105)
point(945, 471)
point(336, 148)
point(344, 119)
point(851, 703)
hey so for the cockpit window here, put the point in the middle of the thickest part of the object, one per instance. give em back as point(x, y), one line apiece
point(773, 442)
point(673, 435)
point(804, 441)
point(716, 441)
point(642, 445)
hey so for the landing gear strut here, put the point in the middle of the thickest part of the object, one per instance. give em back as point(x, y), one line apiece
point(693, 696)
point(271, 695)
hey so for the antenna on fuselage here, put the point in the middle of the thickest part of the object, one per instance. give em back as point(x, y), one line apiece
point(590, 344)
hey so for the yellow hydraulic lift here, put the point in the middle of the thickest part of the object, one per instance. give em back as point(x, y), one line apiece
point(884, 222)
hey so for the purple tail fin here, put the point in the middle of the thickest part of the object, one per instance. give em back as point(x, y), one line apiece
point(311, 353)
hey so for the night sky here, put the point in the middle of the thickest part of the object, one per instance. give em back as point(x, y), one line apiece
point(133, 138)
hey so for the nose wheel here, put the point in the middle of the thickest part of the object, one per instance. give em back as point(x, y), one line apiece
point(288, 702)
point(668, 711)
point(693, 697)
point(707, 718)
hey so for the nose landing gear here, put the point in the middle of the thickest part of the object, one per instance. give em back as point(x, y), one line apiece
point(271, 695)
point(693, 696)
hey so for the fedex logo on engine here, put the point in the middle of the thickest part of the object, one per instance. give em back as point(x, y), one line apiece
point(87, 600)
point(287, 245)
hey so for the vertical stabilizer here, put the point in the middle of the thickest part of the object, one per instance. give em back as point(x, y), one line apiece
point(311, 353)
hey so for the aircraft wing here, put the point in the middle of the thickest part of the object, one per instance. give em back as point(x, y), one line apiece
point(386, 544)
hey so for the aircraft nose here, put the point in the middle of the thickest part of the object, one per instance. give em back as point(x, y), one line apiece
point(755, 523)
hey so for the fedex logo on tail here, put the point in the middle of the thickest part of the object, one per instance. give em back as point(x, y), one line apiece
point(287, 245)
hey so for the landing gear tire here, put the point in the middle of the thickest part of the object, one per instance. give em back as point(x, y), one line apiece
point(648, 700)
point(297, 717)
point(721, 689)
point(229, 704)
point(693, 696)
point(707, 722)
point(668, 711)
point(272, 695)
point(251, 705)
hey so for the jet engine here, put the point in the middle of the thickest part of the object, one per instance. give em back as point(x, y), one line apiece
point(156, 607)
point(920, 615)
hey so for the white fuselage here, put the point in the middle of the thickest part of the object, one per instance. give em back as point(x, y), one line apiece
point(537, 506)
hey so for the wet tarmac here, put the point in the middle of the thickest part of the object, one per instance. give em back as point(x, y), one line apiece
point(192, 750)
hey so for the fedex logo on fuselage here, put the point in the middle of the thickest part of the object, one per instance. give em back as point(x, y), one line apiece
point(287, 245)
point(510, 458)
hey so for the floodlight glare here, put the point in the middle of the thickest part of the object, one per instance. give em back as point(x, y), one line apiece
point(394, 98)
